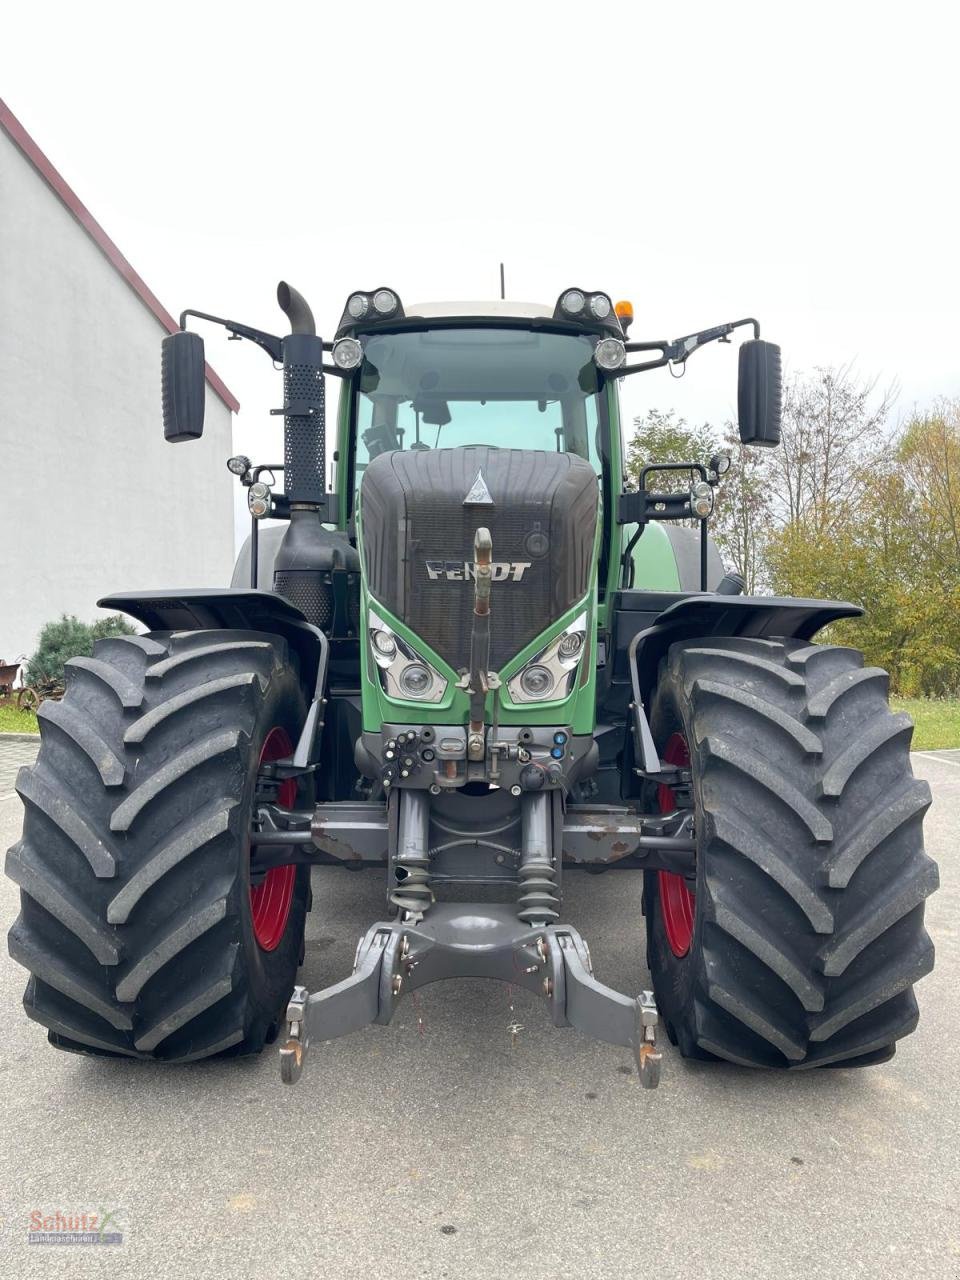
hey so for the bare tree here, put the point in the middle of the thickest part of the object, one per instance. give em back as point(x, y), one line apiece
point(743, 511)
point(832, 433)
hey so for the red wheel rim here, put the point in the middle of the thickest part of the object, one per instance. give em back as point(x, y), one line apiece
point(677, 903)
point(270, 900)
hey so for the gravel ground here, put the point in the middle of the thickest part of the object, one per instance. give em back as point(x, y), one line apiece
point(450, 1151)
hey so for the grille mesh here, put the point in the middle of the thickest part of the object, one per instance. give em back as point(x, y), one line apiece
point(312, 597)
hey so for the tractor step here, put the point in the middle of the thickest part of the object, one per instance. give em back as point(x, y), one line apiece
point(468, 940)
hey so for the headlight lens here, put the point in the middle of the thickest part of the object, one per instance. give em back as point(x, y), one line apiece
point(536, 681)
point(573, 302)
point(552, 672)
point(404, 673)
point(385, 301)
point(347, 353)
point(415, 680)
point(600, 305)
point(357, 306)
point(384, 643)
point(571, 642)
point(609, 353)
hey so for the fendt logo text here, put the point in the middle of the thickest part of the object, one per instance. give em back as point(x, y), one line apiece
point(462, 570)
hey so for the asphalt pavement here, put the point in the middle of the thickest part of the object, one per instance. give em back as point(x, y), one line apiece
point(445, 1146)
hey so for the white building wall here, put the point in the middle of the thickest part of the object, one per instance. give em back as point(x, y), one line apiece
point(92, 498)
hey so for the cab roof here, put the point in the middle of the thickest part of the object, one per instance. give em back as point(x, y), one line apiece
point(492, 309)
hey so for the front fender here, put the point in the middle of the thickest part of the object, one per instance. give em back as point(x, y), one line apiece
point(715, 615)
point(227, 608)
point(780, 617)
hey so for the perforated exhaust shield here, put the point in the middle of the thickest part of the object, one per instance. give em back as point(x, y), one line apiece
point(418, 530)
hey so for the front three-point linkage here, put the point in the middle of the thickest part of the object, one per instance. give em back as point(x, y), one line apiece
point(467, 940)
point(428, 942)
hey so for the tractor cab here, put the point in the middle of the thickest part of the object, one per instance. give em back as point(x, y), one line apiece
point(502, 375)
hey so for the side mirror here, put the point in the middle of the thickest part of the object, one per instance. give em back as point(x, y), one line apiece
point(184, 382)
point(759, 393)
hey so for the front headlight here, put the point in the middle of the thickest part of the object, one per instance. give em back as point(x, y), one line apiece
point(404, 673)
point(551, 673)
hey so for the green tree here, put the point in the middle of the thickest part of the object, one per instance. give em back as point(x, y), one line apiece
point(663, 437)
point(877, 556)
point(67, 638)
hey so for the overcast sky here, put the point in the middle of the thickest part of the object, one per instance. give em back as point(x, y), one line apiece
point(708, 161)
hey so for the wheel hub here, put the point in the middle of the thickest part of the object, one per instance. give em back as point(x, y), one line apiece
point(677, 903)
point(270, 900)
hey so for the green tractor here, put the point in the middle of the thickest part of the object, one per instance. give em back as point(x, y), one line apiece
point(476, 662)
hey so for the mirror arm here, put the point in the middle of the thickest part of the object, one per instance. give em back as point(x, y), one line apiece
point(272, 345)
point(678, 351)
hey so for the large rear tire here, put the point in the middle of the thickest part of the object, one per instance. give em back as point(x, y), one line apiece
point(139, 924)
point(799, 941)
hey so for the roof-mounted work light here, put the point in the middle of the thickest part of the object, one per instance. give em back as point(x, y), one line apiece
point(588, 308)
point(369, 306)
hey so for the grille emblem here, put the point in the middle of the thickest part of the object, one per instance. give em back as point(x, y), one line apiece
point(463, 570)
point(479, 494)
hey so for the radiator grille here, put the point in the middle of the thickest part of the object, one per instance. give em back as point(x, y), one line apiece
point(418, 535)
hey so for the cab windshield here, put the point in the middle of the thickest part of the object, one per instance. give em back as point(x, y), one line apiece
point(448, 387)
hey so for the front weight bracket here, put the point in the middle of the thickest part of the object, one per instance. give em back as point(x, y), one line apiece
point(464, 940)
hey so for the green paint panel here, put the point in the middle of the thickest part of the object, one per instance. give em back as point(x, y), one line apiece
point(378, 707)
point(576, 710)
point(655, 565)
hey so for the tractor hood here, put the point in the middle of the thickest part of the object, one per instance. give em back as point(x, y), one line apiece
point(419, 512)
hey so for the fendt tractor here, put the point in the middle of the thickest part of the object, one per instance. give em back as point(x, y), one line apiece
point(478, 661)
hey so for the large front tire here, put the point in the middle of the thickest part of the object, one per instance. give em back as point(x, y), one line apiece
point(139, 924)
point(800, 939)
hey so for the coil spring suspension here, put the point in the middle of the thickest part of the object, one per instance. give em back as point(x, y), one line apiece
point(539, 900)
point(412, 893)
